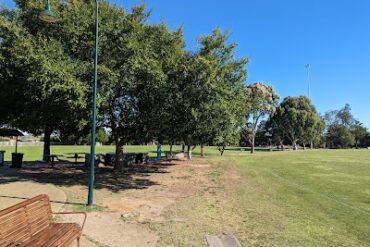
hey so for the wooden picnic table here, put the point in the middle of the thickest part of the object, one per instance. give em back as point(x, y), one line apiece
point(76, 155)
point(53, 157)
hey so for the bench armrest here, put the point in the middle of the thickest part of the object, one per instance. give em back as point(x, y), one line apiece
point(83, 213)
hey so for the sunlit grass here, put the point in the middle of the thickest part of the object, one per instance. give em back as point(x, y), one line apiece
point(303, 198)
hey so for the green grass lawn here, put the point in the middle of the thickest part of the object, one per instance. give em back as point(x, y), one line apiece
point(33, 153)
point(302, 198)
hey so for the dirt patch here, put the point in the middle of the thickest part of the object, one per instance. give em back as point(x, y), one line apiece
point(233, 175)
point(180, 181)
point(127, 202)
point(16, 192)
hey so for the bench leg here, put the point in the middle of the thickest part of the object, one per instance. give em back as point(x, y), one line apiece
point(78, 242)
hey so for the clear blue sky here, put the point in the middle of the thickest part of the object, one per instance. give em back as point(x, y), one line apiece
point(281, 36)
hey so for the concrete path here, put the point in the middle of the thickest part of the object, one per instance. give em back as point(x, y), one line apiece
point(223, 241)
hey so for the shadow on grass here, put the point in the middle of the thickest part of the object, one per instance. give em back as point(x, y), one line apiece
point(65, 174)
point(248, 149)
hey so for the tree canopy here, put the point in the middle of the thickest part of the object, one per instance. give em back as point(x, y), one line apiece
point(261, 101)
point(296, 119)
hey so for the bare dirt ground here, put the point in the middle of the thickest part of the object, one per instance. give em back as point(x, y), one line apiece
point(126, 203)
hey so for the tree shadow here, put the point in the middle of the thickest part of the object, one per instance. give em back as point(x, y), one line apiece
point(248, 149)
point(67, 174)
point(52, 201)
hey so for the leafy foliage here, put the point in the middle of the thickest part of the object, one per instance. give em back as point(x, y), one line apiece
point(297, 119)
point(261, 101)
point(344, 130)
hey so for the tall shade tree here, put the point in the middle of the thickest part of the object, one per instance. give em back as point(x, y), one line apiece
point(294, 117)
point(339, 136)
point(40, 78)
point(314, 133)
point(138, 67)
point(343, 130)
point(212, 88)
point(261, 101)
point(359, 132)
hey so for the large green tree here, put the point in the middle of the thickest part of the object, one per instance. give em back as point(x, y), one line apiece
point(339, 136)
point(43, 93)
point(343, 130)
point(212, 88)
point(294, 117)
point(261, 101)
point(359, 132)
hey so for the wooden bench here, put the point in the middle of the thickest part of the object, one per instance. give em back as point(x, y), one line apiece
point(30, 223)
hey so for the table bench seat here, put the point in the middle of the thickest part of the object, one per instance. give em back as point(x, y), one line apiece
point(30, 223)
point(55, 235)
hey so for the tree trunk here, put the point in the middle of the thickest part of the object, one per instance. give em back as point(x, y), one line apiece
point(304, 146)
point(295, 147)
point(46, 151)
point(190, 156)
point(183, 148)
point(252, 144)
point(222, 150)
point(202, 150)
point(311, 145)
point(171, 152)
point(159, 151)
point(119, 162)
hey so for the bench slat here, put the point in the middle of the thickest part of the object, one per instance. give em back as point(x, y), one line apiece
point(30, 223)
point(57, 234)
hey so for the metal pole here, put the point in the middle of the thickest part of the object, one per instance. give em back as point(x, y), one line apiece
point(93, 129)
point(308, 67)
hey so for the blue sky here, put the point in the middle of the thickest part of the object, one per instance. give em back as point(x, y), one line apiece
point(281, 36)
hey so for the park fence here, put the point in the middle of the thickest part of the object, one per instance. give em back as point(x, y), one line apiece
point(12, 143)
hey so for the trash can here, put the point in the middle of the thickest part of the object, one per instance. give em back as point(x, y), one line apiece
point(108, 161)
point(87, 160)
point(17, 159)
point(2, 153)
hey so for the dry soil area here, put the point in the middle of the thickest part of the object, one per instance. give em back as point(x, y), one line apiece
point(126, 203)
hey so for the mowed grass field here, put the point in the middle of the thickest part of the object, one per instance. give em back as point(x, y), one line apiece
point(291, 198)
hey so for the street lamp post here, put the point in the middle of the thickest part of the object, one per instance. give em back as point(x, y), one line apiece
point(47, 15)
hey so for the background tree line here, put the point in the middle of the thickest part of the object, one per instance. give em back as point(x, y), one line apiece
point(150, 86)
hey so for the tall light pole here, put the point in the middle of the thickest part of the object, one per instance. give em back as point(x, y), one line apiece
point(48, 16)
point(308, 67)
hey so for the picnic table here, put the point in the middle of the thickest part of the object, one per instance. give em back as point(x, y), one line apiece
point(98, 159)
point(136, 157)
point(109, 158)
point(130, 158)
point(53, 157)
point(77, 155)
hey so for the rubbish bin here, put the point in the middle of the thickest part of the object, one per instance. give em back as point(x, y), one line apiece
point(17, 159)
point(108, 161)
point(2, 157)
point(87, 160)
